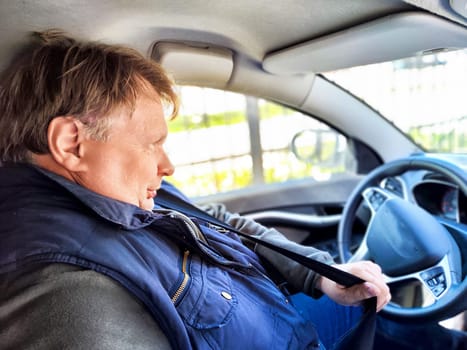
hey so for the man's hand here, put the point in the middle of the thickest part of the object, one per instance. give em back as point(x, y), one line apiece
point(373, 287)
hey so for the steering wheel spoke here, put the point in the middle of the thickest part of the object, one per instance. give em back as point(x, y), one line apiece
point(436, 280)
point(375, 197)
point(362, 253)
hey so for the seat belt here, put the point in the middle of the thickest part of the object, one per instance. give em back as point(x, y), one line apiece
point(360, 337)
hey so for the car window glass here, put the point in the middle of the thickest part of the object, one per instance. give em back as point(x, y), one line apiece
point(423, 95)
point(223, 141)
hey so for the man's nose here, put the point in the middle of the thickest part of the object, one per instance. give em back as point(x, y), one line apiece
point(166, 167)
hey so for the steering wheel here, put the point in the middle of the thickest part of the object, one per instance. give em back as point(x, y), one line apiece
point(409, 243)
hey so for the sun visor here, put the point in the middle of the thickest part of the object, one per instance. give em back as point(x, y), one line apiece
point(195, 63)
point(386, 39)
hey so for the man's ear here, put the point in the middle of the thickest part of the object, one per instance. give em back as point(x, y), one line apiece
point(65, 135)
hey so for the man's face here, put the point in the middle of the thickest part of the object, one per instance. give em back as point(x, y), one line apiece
point(130, 165)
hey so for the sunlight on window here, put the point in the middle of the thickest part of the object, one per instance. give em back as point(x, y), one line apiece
point(214, 149)
point(424, 96)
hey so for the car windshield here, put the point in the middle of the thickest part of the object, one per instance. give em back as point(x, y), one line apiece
point(424, 96)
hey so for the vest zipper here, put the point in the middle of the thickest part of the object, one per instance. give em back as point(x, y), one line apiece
point(199, 235)
point(189, 224)
point(217, 228)
point(186, 277)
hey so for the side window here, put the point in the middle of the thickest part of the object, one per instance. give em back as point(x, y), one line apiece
point(222, 141)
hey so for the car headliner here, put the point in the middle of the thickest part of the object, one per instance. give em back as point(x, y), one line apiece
point(247, 33)
point(264, 25)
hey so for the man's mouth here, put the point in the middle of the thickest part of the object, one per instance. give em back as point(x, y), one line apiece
point(151, 193)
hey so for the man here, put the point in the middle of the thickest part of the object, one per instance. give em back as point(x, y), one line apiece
point(85, 260)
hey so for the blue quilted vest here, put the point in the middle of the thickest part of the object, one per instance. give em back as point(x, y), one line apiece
point(209, 293)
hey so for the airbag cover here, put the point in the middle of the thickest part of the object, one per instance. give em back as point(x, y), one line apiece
point(403, 238)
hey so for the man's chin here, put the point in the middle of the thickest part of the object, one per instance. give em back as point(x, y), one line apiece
point(147, 204)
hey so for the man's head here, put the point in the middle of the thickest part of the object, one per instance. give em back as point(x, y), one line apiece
point(90, 112)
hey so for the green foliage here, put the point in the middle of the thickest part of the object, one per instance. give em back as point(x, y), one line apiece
point(184, 122)
point(194, 122)
point(431, 139)
point(269, 110)
point(209, 182)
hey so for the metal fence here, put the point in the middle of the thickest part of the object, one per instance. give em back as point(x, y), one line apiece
point(445, 136)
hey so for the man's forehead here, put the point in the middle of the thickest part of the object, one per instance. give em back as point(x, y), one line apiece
point(147, 90)
point(145, 117)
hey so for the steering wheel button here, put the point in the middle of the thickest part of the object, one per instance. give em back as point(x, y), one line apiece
point(427, 275)
point(437, 291)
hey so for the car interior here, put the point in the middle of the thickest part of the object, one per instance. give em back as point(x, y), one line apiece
point(393, 195)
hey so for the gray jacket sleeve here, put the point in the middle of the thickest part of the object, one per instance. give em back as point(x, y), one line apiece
point(60, 306)
point(300, 277)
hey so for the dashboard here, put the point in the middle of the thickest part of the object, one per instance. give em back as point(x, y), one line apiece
point(441, 199)
point(436, 195)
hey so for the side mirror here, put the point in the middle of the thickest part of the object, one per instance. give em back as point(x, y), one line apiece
point(318, 146)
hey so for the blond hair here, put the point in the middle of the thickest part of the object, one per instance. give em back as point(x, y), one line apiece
point(56, 75)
